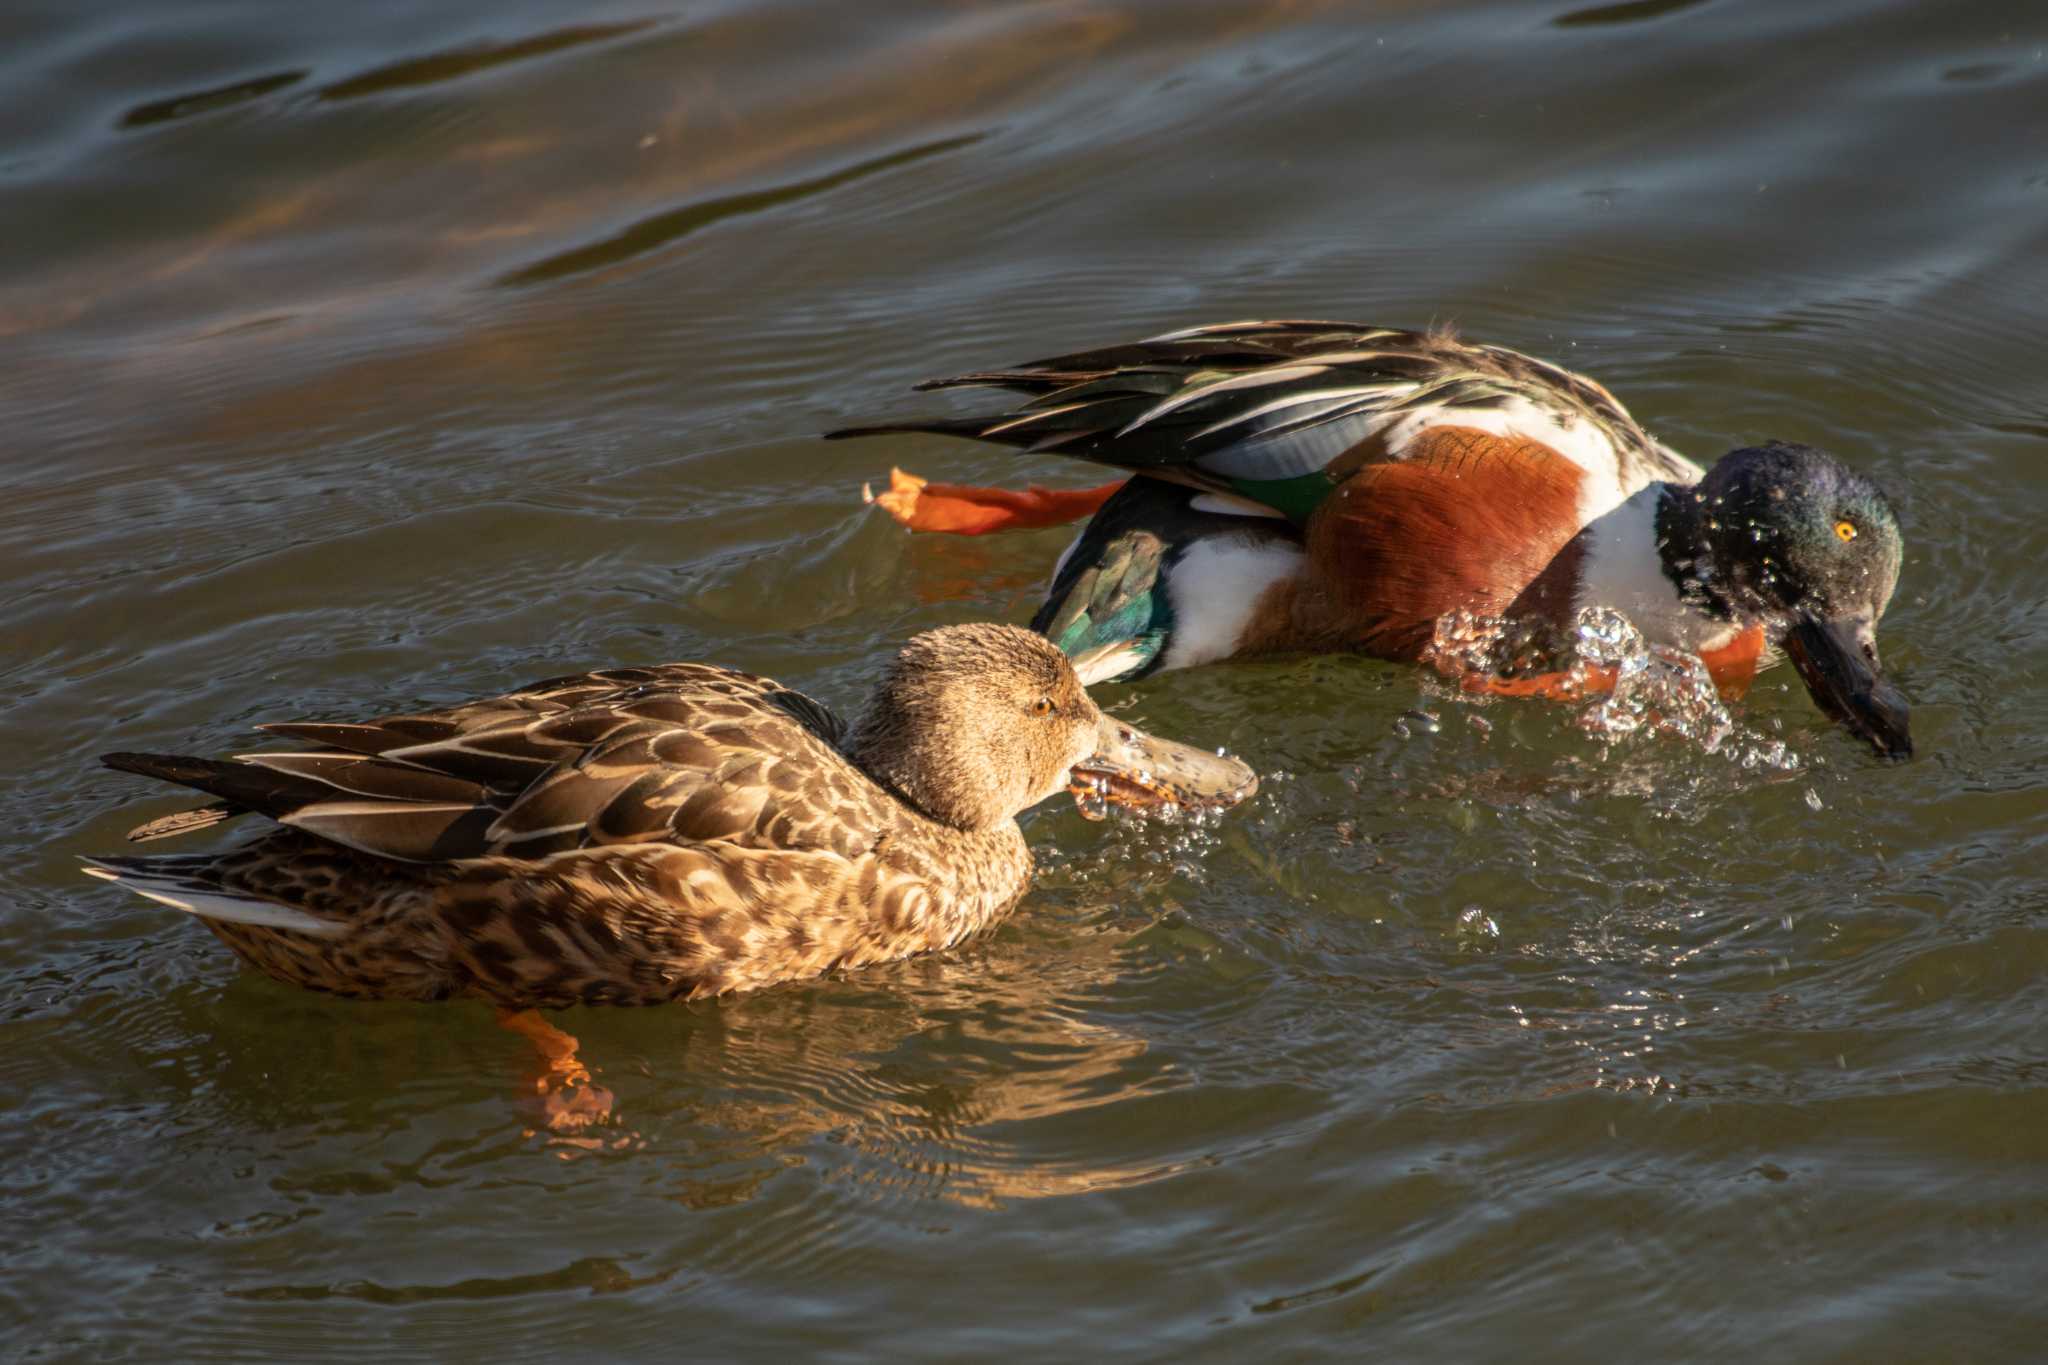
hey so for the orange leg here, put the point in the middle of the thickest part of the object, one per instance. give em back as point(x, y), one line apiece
point(1732, 667)
point(962, 510)
point(1550, 686)
point(568, 1099)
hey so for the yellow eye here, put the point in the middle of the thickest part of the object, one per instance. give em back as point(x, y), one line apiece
point(1042, 707)
point(1845, 530)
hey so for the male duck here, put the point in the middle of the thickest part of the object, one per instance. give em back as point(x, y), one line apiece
point(651, 834)
point(1323, 485)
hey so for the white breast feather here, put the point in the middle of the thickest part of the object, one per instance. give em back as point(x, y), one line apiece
point(1213, 590)
point(1623, 570)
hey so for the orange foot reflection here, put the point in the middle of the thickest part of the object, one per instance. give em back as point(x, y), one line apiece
point(569, 1102)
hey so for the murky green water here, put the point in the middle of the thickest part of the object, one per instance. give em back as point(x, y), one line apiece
point(376, 355)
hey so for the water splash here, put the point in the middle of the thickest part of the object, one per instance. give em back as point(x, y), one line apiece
point(1469, 643)
point(1664, 690)
point(1411, 723)
point(1135, 848)
point(1096, 798)
point(1624, 685)
point(1092, 801)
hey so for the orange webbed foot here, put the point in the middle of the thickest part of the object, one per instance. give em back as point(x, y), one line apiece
point(966, 510)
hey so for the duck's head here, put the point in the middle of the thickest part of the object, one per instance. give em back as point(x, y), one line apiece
point(1789, 536)
point(974, 724)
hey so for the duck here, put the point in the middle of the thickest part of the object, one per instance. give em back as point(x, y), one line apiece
point(1313, 486)
point(650, 834)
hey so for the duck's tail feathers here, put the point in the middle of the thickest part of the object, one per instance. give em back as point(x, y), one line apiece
point(191, 884)
point(245, 786)
point(241, 787)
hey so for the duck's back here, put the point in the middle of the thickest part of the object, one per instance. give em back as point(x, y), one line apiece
point(677, 753)
point(1282, 412)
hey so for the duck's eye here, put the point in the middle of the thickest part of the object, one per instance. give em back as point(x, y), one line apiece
point(1043, 707)
point(1845, 530)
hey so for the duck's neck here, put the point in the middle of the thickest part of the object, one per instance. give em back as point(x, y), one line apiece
point(1686, 553)
point(1648, 560)
point(905, 756)
point(938, 880)
point(952, 854)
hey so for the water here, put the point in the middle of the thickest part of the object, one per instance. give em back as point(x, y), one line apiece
point(371, 357)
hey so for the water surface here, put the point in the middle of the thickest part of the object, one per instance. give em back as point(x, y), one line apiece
point(375, 356)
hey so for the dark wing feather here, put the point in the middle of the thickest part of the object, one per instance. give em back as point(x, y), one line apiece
point(1266, 409)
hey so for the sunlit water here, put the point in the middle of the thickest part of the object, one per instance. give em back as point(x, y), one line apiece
point(366, 357)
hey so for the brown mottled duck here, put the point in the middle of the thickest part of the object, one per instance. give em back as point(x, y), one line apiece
point(643, 835)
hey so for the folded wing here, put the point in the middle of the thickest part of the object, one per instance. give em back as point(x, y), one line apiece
point(685, 753)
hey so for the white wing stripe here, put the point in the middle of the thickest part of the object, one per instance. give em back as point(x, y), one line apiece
point(1279, 374)
point(1333, 398)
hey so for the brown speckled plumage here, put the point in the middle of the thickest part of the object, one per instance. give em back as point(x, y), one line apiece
point(634, 836)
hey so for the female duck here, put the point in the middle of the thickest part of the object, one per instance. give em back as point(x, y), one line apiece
point(1326, 486)
point(652, 834)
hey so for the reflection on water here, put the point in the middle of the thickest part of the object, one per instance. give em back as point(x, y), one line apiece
point(206, 101)
point(1634, 12)
point(467, 61)
point(954, 1087)
point(1486, 1029)
point(651, 234)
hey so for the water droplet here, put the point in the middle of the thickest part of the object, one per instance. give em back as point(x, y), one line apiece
point(1476, 926)
point(1411, 723)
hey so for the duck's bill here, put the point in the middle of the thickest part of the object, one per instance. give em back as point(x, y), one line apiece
point(1837, 660)
point(1141, 771)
